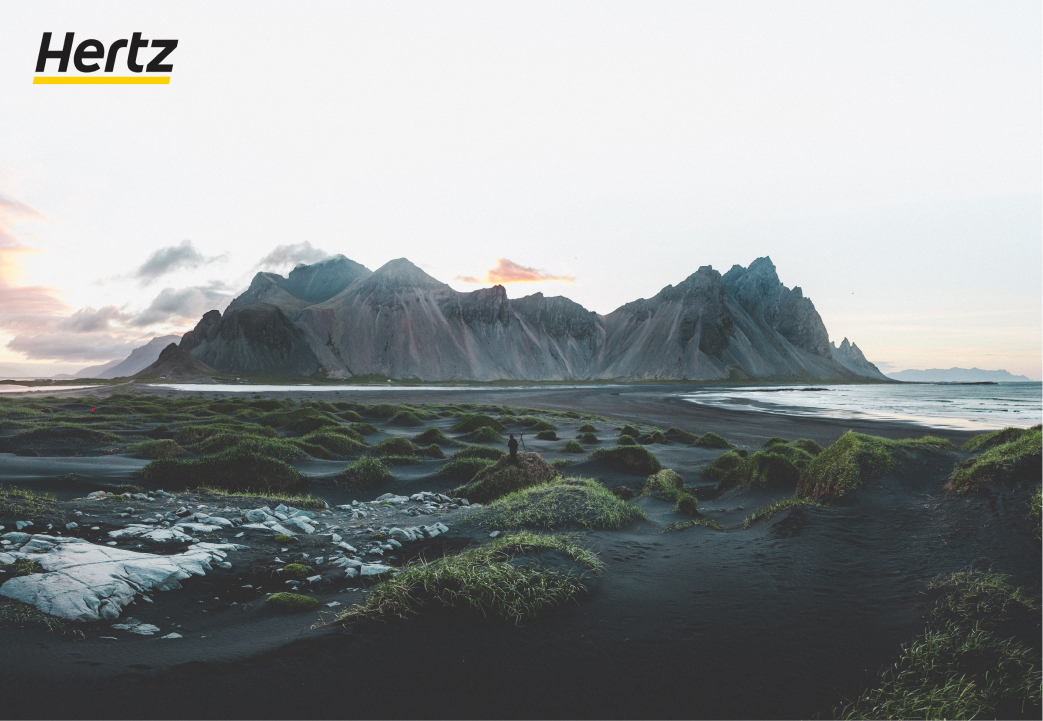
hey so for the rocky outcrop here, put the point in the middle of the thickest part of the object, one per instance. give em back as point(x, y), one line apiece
point(339, 319)
point(850, 356)
point(176, 363)
point(257, 339)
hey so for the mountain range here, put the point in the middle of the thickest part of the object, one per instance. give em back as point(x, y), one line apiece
point(957, 375)
point(338, 319)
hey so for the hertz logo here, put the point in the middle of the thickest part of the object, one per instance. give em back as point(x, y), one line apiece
point(91, 50)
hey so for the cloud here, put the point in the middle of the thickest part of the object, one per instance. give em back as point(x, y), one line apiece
point(507, 271)
point(74, 346)
point(89, 320)
point(179, 306)
point(173, 257)
point(292, 255)
point(21, 306)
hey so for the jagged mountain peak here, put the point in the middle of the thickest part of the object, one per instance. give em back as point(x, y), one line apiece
point(401, 274)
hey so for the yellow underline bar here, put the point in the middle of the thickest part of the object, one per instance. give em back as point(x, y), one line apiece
point(102, 80)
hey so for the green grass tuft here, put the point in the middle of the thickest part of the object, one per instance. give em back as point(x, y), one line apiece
point(493, 581)
point(677, 434)
point(655, 436)
point(238, 471)
point(24, 505)
point(778, 507)
point(962, 666)
point(626, 441)
point(587, 428)
point(434, 435)
point(546, 436)
point(778, 466)
point(473, 421)
point(395, 446)
point(464, 469)
point(562, 502)
point(153, 450)
point(368, 471)
point(484, 435)
point(669, 486)
point(681, 525)
point(854, 459)
point(572, 447)
point(1012, 455)
point(306, 501)
point(712, 440)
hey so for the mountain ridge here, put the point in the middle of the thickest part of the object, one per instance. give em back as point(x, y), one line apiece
point(338, 318)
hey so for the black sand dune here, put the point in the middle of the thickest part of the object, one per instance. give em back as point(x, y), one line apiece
point(782, 620)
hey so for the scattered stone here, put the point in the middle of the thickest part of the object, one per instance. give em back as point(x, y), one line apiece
point(333, 604)
point(495, 534)
point(172, 635)
point(22, 524)
point(374, 569)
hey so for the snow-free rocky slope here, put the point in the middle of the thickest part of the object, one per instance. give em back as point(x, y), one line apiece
point(339, 319)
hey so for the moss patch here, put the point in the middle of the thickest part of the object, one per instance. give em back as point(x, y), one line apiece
point(779, 465)
point(681, 525)
point(669, 486)
point(712, 440)
point(464, 469)
point(546, 436)
point(484, 435)
point(295, 570)
point(434, 435)
point(24, 505)
point(291, 602)
point(396, 446)
point(572, 447)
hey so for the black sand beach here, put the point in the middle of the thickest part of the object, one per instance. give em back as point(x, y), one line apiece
point(785, 619)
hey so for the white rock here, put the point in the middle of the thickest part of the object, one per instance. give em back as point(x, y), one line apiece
point(197, 527)
point(39, 544)
point(333, 604)
point(86, 582)
point(301, 523)
point(22, 524)
point(16, 538)
point(71, 526)
point(351, 572)
point(224, 564)
point(96, 494)
point(313, 579)
point(156, 535)
point(374, 569)
point(172, 635)
point(6, 559)
point(255, 516)
point(495, 534)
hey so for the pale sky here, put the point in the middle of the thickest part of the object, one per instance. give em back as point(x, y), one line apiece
point(887, 156)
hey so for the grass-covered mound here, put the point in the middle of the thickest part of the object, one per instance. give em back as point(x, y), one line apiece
point(712, 440)
point(656, 436)
point(295, 570)
point(406, 418)
point(61, 439)
point(669, 486)
point(504, 477)
point(473, 421)
point(464, 469)
point(974, 661)
point(1012, 455)
point(335, 445)
point(192, 434)
point(299, 420)
point(561, 503)
point(626, 441)
point(546, 436)
point(367, 471)
point(502, 580)
point(587, 438)
point(364, 429)
point(395, 446)
point(350, 416)
point(492, 454)
point(681, 436)
point(636, 460)
point(291, 602)
point(779, 465)
point(692, 523)
point(572, 447)
point(434, 435)
point(484, 435)
point(629, 430)
point(587, 428)
point(154, 450)
point(854, 459)
point(240, 471)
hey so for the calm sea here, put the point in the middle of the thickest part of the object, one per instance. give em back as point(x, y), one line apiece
point(962, 407)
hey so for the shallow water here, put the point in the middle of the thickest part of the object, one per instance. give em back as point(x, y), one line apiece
point(960, 407)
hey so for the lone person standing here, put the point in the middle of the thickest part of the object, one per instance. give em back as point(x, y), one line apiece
point(512, 446)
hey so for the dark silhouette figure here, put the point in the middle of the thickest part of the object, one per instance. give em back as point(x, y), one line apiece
point(512, 446)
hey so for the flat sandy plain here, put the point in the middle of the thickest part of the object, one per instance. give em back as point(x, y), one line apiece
point(785, 619)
